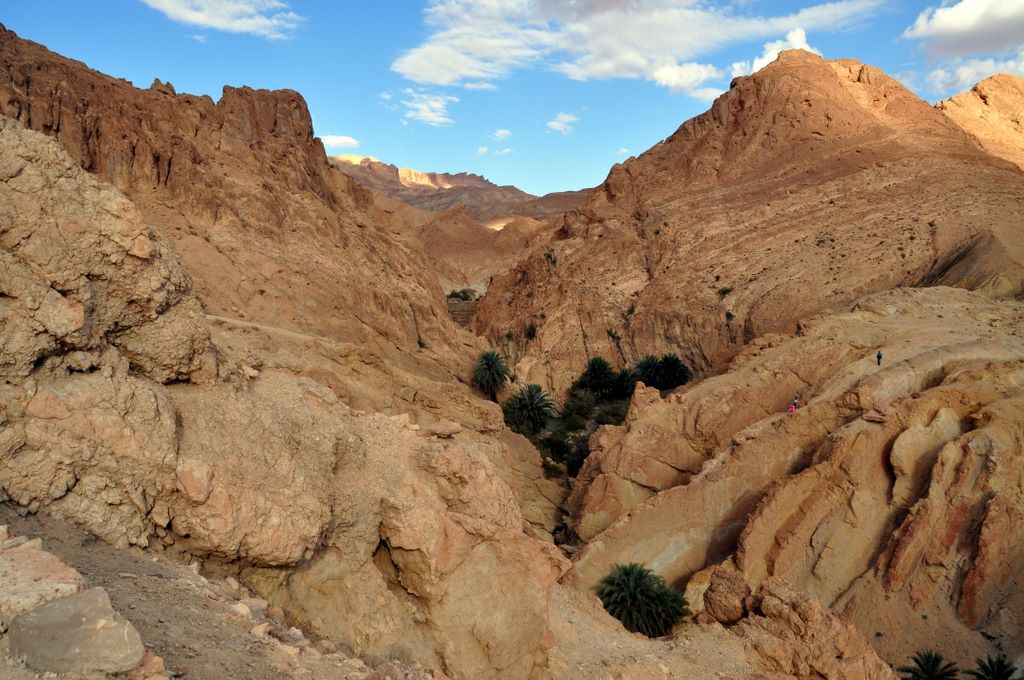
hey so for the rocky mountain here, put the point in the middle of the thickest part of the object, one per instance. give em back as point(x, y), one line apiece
point(993, 113)
point(806, 186)
point(433, 191)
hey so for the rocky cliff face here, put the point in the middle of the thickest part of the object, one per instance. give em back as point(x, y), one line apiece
point(437, 191)
point(993, 113)
point(808, 185)
point(880, 497)
point(267, 228)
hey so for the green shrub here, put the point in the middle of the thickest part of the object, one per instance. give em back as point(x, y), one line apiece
point(639, 598)
point(990, 668)
point(531, 331)
point(490, 374)
point(566, 447)
point(464, 294)
point(529, 409)
point(611, 413)
point(578, 407)
point(929, 665)
point(724, 290)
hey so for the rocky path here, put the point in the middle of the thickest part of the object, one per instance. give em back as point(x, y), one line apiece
point(203, 629)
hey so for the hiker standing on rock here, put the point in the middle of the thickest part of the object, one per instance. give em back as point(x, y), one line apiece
point(878, 357)
point(793, 405)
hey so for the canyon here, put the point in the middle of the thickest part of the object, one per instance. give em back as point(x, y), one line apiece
point(228, 370)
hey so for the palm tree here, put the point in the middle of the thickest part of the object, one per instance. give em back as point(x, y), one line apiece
point(929, 665)
point(598, 377)
point(641, 600)
point(530, 408)
point(673, 372)
point(648, 371)
point(997, 668)
point(490, 374)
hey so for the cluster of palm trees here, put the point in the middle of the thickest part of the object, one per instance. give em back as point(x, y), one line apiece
point(529, 409)
point(930, 665)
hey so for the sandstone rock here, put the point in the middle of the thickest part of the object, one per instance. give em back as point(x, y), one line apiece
point(151, 666)
point(79, 633)
point(991, 113)
point(443, 429)
point(325, 646)
point(820, 498)
point(794, 635)
point(726, 596)
point(194, 479)
point(64, 228)
point(30, 576)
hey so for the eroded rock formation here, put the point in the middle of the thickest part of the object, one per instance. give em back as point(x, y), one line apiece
point(888, 495)
point(993, 113)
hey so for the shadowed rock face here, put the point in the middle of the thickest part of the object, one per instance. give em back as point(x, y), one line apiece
point(889, 495)
point(993, 113)
point(807, 186)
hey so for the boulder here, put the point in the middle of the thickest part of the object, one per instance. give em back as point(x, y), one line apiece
point(80, 633)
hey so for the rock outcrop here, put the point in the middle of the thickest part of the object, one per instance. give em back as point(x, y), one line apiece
point(993, 113)
point(398, 533)
point(806, 186)
point(880, 497)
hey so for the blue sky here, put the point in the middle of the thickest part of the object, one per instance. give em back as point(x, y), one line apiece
point(543, 94)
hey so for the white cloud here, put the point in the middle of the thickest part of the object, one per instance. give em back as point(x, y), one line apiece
point(656, 40)
point(339, 141)
point(481, 150)
point(684, 77)
point(623, 151)
point(270, 19)
point(562, 123)
point(503, 152)
point(385, 96)
point(198, 38)
point(795, 39)
point(707, 94)
point(427, 107)
point(970, 27)
point(501, 134)
point(962, 74)
point(489, 87)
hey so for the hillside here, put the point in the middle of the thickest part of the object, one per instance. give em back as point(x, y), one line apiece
point(806, 186)
point(436, 192)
